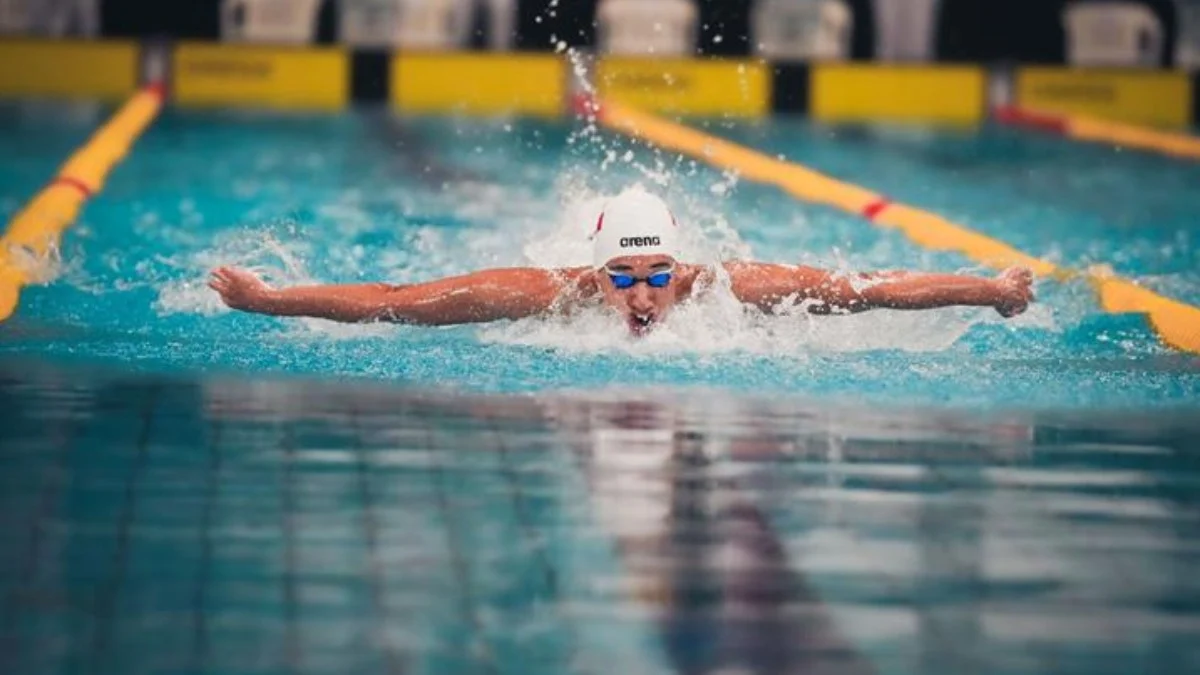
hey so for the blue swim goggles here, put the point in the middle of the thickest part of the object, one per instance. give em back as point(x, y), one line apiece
point(622, 281)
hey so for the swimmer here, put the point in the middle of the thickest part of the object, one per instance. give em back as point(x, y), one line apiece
point(636, 272)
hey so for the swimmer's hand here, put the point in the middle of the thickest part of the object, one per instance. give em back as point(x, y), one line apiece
point(1013, 292)
point(240, 289)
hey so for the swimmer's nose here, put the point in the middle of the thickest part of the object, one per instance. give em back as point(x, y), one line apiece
point(639, 299)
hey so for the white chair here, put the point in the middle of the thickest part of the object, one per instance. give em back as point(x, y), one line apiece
point(16, 17)
point(502, 22)
point(904, 29)
point(273, 21)
point(441, 25)
point(369, 23)
point(802, 29)
point(1121, 34)
point(50, 18)
point(75, 18)
point(424, 24)
point(647, 27)
point(433, 24)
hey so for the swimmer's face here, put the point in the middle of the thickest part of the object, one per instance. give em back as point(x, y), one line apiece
point(651, 295)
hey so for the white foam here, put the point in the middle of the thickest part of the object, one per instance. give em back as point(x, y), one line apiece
point(694, 328)
point(713, 323)
point(259, 251)
point(40, 267)
point(717, 323)
point(515, 225)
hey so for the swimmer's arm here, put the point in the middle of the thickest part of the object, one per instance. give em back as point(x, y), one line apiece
point(488, 295)
point(768, 286)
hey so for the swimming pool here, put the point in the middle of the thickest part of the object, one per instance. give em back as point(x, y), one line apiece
point(364, 196)
point(186, 489)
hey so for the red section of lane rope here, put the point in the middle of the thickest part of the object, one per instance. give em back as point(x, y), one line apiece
point(73, 183)
point(870, 211)
point(1011, 114)
point(586, 105)
point(158, 89)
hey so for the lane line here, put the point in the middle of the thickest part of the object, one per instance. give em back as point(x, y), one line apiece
point(872, 210)
point(1095, 130)
point(74, 183)
point(33, 235)
point(1176, 323)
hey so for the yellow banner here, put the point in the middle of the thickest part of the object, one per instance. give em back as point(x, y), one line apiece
point(100, 69)
point(686, 86)
point(253, 75)
point(1139, 97)
point(949, 94)
point(479, 84)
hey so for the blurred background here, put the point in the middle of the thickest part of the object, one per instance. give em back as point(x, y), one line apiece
point(1143, 33)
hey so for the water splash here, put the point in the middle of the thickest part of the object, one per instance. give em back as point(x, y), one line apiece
point(407, 233)
point(717, 323)
point(277, 261)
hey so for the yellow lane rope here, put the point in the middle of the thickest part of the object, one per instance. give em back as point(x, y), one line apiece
point(33, 234)
point(1084, 128)
point(1177, 323)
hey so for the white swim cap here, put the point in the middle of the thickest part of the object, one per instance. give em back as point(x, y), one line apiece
point(634, 222)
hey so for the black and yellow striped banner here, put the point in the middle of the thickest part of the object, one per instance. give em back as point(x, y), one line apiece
point(490, 83)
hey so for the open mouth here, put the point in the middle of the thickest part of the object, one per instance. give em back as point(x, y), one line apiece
point(640, 323)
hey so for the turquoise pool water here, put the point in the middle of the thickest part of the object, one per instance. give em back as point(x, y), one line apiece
point(1077, 204)
point(185, 489)
point(366, 197)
